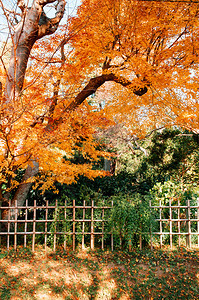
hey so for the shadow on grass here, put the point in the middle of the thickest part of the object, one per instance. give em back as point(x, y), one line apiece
point(100, 275)
point(24, 277)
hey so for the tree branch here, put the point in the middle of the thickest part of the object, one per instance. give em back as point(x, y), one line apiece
point(48, 26)
point(96, 82)
point(44, 2)
point(21, 4)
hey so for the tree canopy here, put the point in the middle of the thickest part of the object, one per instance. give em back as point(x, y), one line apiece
point(127, 62)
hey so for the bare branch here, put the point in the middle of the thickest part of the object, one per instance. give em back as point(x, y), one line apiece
point(21, 4)
point(1, 90)
point(138, 147)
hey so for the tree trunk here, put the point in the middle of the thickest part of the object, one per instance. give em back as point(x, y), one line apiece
point(22, 191)
point(34, 25)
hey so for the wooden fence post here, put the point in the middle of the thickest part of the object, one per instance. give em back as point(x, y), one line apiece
point(0, 222)
point(160, 211)
point(179, 239)
point(8, 237)
point(15, 226)
point(46, 226)
point(83, 224)
point(55, 233)
point(65, 217)
point(34, 225)
point(188, 239)
point(73, 225)
point(112, 233)
point(25, 225)
point(198, 219)
point(103, 226)
point(150, 230)
point(170, 225)
point(92, 225)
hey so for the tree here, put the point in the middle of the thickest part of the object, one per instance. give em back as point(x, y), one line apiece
point(19, 123)
point(173, 155)
point(154, 44)
point(146, 54)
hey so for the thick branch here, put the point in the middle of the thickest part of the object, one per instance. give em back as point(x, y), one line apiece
point(48, 26)
point(44, 2)
point(92, 87)
point(96, 82)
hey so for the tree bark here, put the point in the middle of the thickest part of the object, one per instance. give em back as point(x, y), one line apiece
point(34, 25)
point(22, 191)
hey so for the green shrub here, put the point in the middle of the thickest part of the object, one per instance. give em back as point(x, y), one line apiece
point(130, 219)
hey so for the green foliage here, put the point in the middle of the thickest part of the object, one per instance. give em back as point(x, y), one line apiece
point(60, 223)
point(101, 188)
point(173, 155)
point(62, 220)
point(174, 192)
point(169, 172)
point(130, 218)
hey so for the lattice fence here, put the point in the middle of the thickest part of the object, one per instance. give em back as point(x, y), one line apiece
point(47, 223)
point(178, 223)
point(29, 225)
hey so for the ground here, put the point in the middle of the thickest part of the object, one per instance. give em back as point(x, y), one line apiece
point(99, 275)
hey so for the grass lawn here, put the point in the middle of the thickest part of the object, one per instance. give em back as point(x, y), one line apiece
point(104, 275)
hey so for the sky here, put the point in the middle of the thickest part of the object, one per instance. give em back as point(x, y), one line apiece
point(71, 8)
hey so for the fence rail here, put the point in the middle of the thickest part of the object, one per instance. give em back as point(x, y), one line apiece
point(26, 224)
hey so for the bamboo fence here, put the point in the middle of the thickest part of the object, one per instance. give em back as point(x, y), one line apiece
point(176, 220)
point(51, 223)
point(27, 223)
